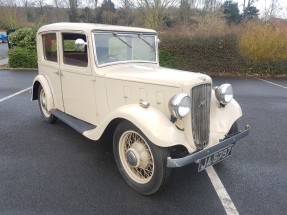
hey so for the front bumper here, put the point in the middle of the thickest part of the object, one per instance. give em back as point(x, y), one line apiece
point(179, 162)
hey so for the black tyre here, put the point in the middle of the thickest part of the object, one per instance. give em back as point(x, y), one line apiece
point(50, 118)
point(141, 163)
point(233, 129)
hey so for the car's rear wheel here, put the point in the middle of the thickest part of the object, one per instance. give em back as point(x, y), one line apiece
point(42, 99)
point(141, 163)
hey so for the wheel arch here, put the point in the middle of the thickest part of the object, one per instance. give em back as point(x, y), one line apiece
point(35, 89)
point(40, 80)
point(153, 123)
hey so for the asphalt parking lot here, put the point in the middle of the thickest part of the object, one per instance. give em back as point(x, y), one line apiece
point(52, 169)
point(3, 49)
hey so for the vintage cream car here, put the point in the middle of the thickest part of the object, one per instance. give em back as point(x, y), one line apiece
point(104, 79)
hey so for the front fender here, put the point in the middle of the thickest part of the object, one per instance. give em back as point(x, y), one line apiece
point(222, 118)
point(153, 123)
point(41, 80)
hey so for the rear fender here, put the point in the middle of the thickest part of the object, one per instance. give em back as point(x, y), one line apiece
point(41, 80)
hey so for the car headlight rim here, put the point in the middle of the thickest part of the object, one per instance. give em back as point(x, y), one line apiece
point(180, 105)
point(224, 93)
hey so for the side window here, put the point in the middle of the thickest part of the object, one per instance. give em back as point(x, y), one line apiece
point(71, 54)
point(50, 47)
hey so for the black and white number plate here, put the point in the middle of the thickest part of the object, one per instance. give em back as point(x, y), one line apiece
point(214, 158)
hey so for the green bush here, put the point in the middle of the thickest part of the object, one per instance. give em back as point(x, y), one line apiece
point(24, 37)
point(267, 67)
point(210, 54)
point(263, 43)
point(22, 57)
point(23, 53)
point(170, 60)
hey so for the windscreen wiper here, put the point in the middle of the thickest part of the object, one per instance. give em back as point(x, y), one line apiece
point(117, 36)
point(141, 37)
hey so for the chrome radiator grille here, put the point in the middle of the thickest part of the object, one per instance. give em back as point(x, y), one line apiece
point(200, 114)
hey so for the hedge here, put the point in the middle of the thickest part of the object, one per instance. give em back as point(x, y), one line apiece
point(212, 54)
point(24, 37)
point(22, 57)
point(23, 53)
point(215, 54)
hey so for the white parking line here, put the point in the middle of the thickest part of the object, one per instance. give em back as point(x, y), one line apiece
point(225, 199)
point(278, 85)
point(15, 94)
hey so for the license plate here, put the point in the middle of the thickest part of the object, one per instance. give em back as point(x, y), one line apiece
point(214, 158)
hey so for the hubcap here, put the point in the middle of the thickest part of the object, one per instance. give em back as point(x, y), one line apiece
point(132, 157)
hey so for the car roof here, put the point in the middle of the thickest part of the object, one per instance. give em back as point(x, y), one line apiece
point(88, 27)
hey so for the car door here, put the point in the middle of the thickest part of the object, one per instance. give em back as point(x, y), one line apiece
point(77, 79)
point(49, 65)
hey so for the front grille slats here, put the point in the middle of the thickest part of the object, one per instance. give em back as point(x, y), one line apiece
point(200, 114)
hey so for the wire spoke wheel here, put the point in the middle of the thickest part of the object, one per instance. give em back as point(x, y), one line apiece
point(43, 103)
point(136, 157)
point(141, 163)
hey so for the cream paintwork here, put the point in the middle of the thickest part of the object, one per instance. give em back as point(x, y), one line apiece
point(49, 69)
point(88, 27)
point(49, 96)
point(79, 96)
point(153, 74)
point(153, 123)
point(115, 91)
point(221, 119)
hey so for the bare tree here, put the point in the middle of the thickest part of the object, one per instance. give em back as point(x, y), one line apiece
point(72, 9)
point(9, 14)
point(271, 9)
point(25, 4)
point(40, 5)
point(126, 12)
point(185, 11)
point(126, 3)
point(57, 6)
point(211, 5)
point(154, 11)
point(195, 3)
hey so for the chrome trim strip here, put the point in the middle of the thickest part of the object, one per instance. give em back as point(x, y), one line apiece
point(179, 162)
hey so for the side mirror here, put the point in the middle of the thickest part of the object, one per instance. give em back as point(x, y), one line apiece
point(80, 44)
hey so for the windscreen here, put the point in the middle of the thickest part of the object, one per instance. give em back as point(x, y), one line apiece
point(113, 47)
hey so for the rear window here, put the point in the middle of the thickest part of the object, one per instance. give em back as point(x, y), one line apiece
point(50, 47)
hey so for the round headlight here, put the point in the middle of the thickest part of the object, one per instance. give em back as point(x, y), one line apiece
point(180, 105)
point(224, 93)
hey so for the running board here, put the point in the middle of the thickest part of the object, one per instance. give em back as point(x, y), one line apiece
point(73, 122)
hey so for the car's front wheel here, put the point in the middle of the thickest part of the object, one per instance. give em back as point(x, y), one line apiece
point(234, 129)
point(141, 163)
point(42, 99)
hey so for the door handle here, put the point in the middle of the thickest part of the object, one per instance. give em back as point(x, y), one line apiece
point(58, 73)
